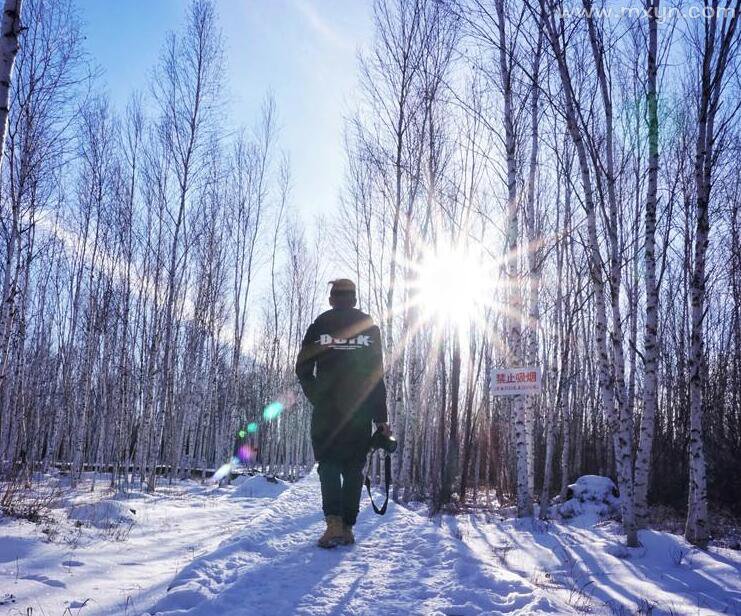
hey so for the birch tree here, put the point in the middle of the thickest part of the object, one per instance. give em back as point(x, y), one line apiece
point(717, 46)
point(10, 27)
point(186, 89)
point(650, 350)
point(552, 20)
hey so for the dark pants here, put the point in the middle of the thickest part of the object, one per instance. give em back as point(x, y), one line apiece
point(342, 483)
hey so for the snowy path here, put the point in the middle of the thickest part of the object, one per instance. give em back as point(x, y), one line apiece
point(402, 564)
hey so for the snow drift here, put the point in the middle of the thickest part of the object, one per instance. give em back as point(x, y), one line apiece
point(590, 494)
point(105, 514)
point(258, 486)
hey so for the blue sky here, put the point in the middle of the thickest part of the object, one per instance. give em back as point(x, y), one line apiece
point(303, 51)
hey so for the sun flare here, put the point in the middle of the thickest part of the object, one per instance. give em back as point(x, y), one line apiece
point(454, 286)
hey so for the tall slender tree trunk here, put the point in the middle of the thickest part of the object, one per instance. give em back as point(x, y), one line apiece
point(10, 28)
point(532, 224)
point(719, 45)
point(524, 499)
point(606, 376)
point(650, 348)
point(622, 428)
point(452, 458)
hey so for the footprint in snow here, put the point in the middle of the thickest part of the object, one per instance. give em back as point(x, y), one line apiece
point(45, 580)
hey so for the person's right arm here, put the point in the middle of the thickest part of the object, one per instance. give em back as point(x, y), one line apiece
point(305, 363)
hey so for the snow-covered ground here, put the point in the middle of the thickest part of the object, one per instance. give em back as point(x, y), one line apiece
point(249, 549)
point(402, 564)
point(113, 555)
point(587, 566)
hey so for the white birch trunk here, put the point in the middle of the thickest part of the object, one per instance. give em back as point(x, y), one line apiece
point(719, 41)
point(606, 377)
point(10, 28)
point(534, 266)
point(650, 349)
point(623, 427)
point(521, 419)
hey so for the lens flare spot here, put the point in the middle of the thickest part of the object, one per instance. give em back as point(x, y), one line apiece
point(225, 469)
point(245, 453)
point(242, 434)
point(272, 411)
point(252, 427)
point(222, 471)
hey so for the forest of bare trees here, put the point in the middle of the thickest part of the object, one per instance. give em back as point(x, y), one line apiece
point(131, 244)
point(566, 176)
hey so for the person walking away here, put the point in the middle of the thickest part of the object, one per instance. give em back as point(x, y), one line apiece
point(340, 368)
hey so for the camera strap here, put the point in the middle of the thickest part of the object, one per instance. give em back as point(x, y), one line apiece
point(387, 478)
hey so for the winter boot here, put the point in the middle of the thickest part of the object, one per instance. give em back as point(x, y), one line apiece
point(347, 537)
point(334, 535)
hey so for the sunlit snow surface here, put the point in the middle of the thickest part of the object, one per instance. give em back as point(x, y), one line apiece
point(250, 549)
point(111, 555)
point(402, 564)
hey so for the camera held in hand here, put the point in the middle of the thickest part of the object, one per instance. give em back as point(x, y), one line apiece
point(380, 441)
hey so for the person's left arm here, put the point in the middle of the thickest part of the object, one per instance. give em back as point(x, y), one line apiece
point(377, 397)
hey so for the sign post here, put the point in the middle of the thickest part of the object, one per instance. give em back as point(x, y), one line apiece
point(515, 381)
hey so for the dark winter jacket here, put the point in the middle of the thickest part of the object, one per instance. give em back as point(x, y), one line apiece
point(340, 368)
